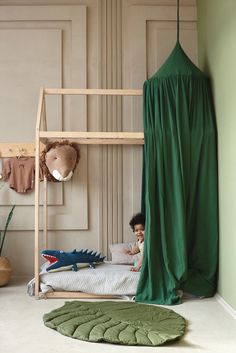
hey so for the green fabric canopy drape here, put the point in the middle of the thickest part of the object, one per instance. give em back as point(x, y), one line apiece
point(180, 186)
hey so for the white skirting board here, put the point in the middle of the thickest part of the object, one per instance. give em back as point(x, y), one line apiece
point(226, 306)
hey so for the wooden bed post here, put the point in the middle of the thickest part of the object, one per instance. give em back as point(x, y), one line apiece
point(37, 152)
point(45, 186)
point(45, 212)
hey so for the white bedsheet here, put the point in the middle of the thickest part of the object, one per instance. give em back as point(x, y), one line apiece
point(104, 279)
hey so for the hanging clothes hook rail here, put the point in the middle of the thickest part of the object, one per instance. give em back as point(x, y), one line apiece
point(15, 149)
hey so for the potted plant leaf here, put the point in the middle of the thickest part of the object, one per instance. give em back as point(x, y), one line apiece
point(5, 266)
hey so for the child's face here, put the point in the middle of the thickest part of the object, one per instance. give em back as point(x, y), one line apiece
point(139, 232)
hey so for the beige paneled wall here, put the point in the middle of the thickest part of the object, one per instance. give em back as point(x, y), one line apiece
point(93, 44)
point(44, 46)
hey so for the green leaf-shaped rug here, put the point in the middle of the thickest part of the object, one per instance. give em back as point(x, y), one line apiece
point(116, 322)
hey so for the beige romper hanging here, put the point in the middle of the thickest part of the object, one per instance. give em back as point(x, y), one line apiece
point(20, 173)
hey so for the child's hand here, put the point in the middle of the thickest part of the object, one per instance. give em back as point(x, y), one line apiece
point(135, 269)
point(134, 250)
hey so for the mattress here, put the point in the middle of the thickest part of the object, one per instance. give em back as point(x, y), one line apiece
point(105, 279)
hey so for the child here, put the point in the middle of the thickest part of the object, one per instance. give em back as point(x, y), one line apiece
point(137, 223)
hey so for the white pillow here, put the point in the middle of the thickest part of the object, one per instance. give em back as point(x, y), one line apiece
point(118, 255)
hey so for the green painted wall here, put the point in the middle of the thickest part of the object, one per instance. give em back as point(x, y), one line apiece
point(217, 56)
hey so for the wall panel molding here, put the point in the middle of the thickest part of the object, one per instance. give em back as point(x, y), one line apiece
point(110, 119)
point(50, 44)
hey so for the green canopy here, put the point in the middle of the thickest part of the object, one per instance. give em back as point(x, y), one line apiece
point(180, 187)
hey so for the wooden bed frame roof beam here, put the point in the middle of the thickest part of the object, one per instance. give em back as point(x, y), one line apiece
point(88, 138)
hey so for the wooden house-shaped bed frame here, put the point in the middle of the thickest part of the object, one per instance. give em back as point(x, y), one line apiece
point(41, 134)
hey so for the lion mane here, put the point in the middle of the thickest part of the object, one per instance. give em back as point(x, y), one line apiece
point(51, 145)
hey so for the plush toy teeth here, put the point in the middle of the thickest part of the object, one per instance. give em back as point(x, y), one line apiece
point(50, 258)
point(59, 177)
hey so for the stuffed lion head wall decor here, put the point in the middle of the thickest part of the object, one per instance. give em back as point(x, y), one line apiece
point(59, 159)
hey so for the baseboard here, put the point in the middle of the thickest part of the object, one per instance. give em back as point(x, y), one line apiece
point(226, 306)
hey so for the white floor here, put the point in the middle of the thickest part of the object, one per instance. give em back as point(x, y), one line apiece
point(210, 327)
